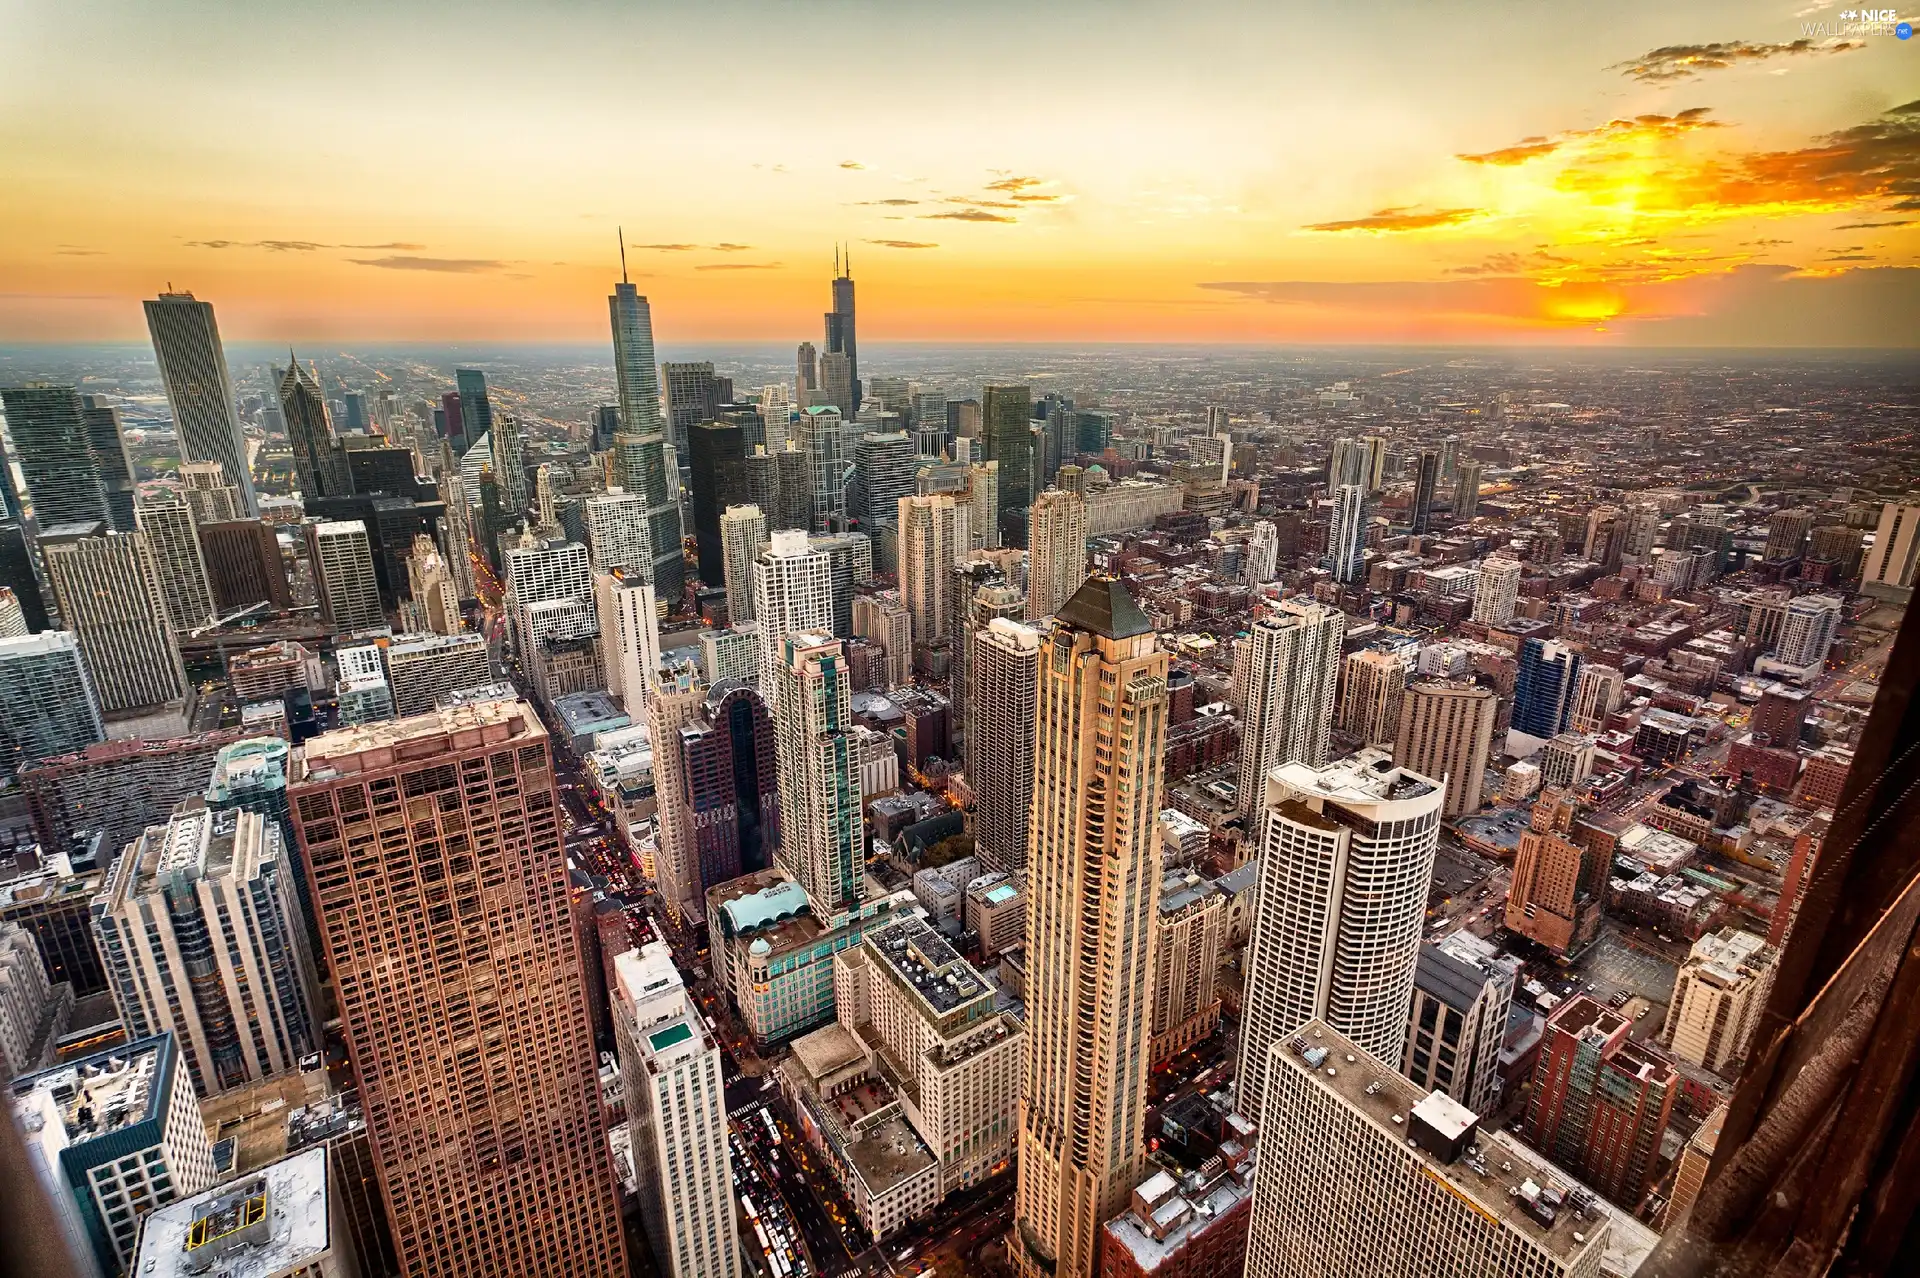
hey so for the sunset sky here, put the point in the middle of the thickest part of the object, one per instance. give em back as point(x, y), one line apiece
point(1510, 171)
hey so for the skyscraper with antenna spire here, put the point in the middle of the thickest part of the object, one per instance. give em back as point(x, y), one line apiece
point(840, 336)
point(640, 448)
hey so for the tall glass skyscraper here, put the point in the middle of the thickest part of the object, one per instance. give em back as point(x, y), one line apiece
point(49, 431)
point(476, 410)
point(193, 367)
point(840, 334)
point(641, 448)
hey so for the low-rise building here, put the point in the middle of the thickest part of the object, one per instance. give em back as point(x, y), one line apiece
point(1190, 1226)
point(1186, 961)
point(996, 913)
point(775, 958)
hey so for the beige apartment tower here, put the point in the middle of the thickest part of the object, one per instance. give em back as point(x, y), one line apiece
point(110, 595)
point(1446, 731)
point(1093, 889)
point(1287, 670)
point(1057, 551)
point(440, 887)
point(1373, 683)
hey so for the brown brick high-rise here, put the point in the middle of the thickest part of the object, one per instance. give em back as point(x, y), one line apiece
point(434, 849)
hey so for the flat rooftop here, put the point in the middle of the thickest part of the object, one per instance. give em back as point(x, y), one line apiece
point(99, 1094)
point(267, 1222)
point(889, 1154)
point(1361, 779)
point(367, 746)
point(921, 959)
point(1494, 1182)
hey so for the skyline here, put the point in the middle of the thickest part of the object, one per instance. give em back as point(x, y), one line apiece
point(1454, 176)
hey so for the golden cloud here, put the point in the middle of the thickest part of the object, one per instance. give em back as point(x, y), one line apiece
point(1398, 219)
point(1684, 61)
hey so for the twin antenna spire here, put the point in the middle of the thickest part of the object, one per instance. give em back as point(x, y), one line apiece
point(837, 251)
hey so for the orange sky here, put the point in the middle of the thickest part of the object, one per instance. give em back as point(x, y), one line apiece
point(1711, 173)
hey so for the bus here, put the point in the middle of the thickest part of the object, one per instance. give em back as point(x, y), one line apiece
point(747, 1203)
point(772, 1130)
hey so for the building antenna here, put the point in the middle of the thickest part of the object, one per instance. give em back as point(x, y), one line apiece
point(621, 231)
point(849, 261)
point(836, 261)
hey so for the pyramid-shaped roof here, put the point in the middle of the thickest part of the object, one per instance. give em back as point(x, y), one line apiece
point(1103, 606)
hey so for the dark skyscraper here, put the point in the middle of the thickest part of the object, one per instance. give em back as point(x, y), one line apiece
point(606, 424)
point(806, 373)
point(1423, 486)
point(728, 751)
point(450, 423)
point(1543, 688)
point(640, 450)
point(693, 396)
point(316, 461)
point(109, 449)
point(476, 410)
point(840, 335)
point(17, 574)
point(49, 434)
point(719, 479)
point(1007, 423)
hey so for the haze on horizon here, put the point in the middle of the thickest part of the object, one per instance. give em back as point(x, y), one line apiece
point(1718, 174)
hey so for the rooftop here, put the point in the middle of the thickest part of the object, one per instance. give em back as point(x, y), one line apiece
point(1500, 1178)
point(888, 1154)
point(99, 1094)
point(378, 745)
point(923, 961)
point(268, 1222)
point(1363, 779)
point(1103, 606)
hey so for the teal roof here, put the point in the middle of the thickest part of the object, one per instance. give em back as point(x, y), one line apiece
point(678, 1032)
point(766, 907)
point(1002, 894)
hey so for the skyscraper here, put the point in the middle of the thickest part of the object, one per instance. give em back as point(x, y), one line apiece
point(792, 593)
point(743, 529)
point(1543, 689)
point(1057, 551)
point(109, 450)
point(49, 434)
point(677, 1114)
point(850, 566)
point(167, 522)
point(193, 368)
point(1362, 1172)
point(1373, 683)
point(1288, 667)
point(1553, 898)
point(110, 596)
point(1346, 857)
point(1893, 562)
point(1347, 534)
point(1466, 491)
point(629, 636)
point(822, 830)
point(617, 524)
point(882, 618)
point(694, 395)
point(1446, 731)
point(319, 468)
point(509, 466)
point(1596, 695)
point(47, 702)
point(1006, 418)
point(1601, 1099)
point(840, 327)
point(806, 375)
point(1003, 672)
point(1462, 992)
point(822, 435)
point(244, 566)
point(883, 463)
point(476, 407)
point(1093, 889)
point(931, 536)
point(423, 669)
point(719, 480)
point(343, 575)
point(1426, 480)
point(212, 499)
point(715, 775)
point(641, 450)
point(200, 887)
point(460, 991)
point(1494, 594)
